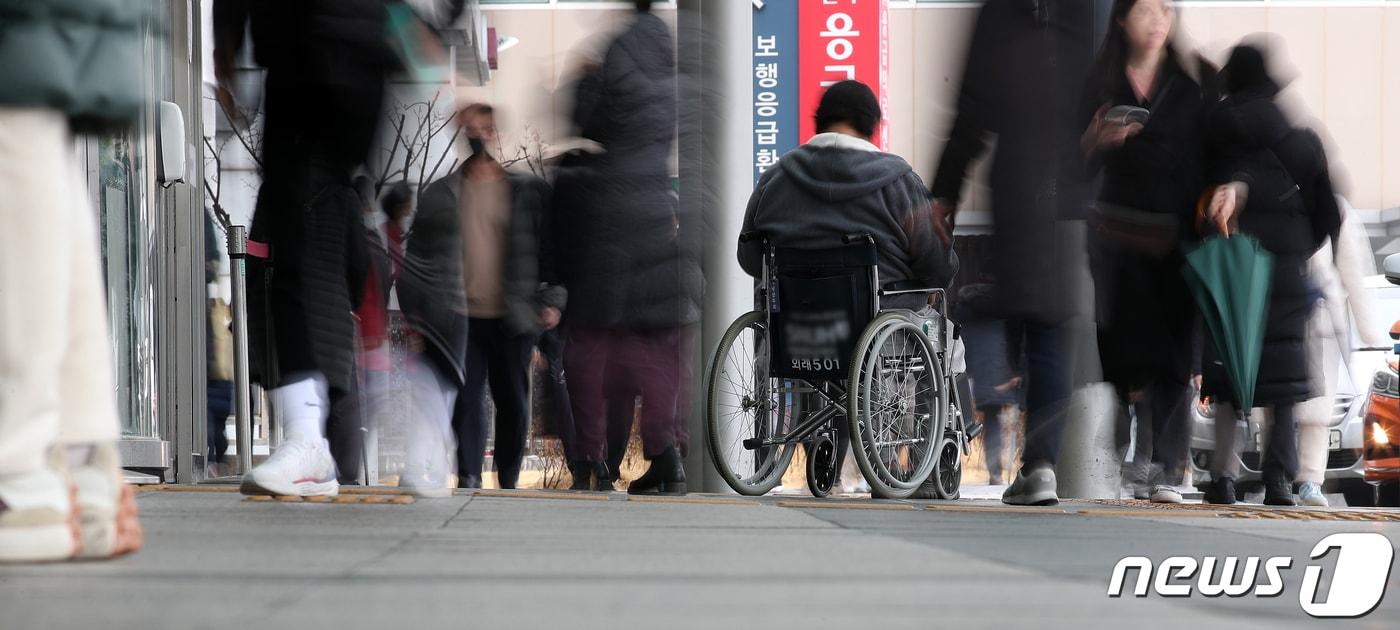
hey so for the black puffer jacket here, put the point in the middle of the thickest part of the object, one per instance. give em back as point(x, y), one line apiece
point(622, 250)
point(432, 290)
point(1286, 169)
point(628, 256)
point(629, 104)
point(327, 61)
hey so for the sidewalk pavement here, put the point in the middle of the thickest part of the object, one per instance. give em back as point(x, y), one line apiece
point(581, 560)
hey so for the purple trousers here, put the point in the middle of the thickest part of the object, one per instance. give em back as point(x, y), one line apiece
point(604, 364)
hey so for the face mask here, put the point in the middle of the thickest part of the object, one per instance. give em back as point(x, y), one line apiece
point(477, 145)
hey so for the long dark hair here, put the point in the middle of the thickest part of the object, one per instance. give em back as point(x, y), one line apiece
point(1113, 55)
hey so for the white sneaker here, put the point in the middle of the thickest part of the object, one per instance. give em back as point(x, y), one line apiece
point(299, 468)
point(37, 521)
point(107, 513)
point(1037, 488)
point(1165, 494)
point(425, 485)
point(1310, 494)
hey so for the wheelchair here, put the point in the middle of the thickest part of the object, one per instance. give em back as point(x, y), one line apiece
point(818, 361)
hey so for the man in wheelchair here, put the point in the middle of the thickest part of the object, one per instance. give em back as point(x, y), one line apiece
point(839, 184)
point(846, 345)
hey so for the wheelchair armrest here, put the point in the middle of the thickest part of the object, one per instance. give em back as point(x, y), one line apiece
point(906, 287)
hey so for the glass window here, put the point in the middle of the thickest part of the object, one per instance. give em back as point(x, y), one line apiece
point(130, 226)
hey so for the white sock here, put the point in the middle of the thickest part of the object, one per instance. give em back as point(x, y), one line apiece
point(302, 406)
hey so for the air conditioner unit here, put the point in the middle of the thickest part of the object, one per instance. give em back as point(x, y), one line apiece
point(468, 41)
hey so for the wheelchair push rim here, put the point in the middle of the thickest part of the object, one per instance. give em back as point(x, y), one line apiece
point(897, 408)
point(745, 402)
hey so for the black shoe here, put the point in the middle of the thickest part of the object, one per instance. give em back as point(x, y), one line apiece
point(665, 476)
point(507, 479)
point(1221, 492)
point(1279, 492)
point(582, 473)
point(469, 481)
point(602, 477)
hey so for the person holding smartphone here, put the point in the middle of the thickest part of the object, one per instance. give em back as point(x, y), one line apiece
point(1144, 109)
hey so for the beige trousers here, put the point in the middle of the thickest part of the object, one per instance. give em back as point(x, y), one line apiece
point(56, 383)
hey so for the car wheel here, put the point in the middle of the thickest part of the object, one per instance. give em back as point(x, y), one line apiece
point(1359, 494)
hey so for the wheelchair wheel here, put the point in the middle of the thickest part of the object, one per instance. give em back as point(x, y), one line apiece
point(822, 468)
point(948, 470)
point(896, 406)
point(745, 403)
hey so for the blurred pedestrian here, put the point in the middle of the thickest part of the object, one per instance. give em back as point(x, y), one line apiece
point(218, 348)
point(59, 427)
point(1144, 115)
point(501, 221)
point(427, 288)
point(326, 63)
point(1274, 185)
point(993, 364)
point(634, 281)
point(1025, 65)
point(1343, 317)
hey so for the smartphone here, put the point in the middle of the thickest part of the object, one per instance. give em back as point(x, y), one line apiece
point(1127, 115)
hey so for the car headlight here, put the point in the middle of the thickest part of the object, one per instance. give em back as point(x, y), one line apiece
point(1378, 436)
point(1386, 383)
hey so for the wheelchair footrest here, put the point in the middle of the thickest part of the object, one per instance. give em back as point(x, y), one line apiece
point(753, 444)
point(975, 430)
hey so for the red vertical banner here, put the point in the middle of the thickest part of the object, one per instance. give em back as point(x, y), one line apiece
point(840, 40)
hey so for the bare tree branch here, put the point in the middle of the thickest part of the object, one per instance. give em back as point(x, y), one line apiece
point(448, 151)
point(250, 140)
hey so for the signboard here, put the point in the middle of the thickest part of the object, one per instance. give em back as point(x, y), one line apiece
point(800, 48)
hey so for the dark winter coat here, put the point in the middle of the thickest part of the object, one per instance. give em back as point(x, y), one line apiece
point(1145, 212)
point(626, 253)
point(524, 291)
point(79, 57)
point(1025, 67)
point(1279, 162)
point(817, 194)
point(623, 251)
point(629, 104)
point(326, 61)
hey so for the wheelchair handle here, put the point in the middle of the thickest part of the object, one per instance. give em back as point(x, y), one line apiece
point(855, 237)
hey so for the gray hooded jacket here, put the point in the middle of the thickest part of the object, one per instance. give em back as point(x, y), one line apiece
point(836, 185)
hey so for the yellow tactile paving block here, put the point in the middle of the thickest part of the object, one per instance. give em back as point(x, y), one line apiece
point(692, 500)
point(542, 494)
point(997, 509)
point(170, 487)
point(1144, 508)
point(843, 505)
point(360, 499)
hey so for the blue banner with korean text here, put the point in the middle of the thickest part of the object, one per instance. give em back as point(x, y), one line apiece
point(775, 101)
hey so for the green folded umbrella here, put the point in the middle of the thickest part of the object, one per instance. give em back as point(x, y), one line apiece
point(1230, 277)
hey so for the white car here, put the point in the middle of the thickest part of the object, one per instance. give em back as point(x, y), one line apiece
point(1345, 468)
